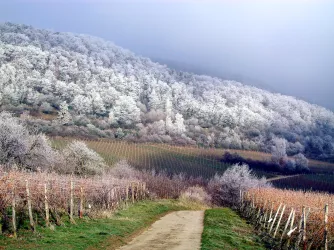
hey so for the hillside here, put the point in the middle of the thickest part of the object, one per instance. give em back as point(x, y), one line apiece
point(84, 86)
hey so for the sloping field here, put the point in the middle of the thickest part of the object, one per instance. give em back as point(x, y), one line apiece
point(193, 161)
point(154, 156)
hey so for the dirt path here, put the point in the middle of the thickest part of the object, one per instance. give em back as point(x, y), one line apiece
point(282, 177)
point(180, 230)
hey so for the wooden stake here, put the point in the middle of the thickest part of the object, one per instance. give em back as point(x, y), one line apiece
point(138, 191)
point(279, 221)
point(265, 217)
point(119, 192)
point(292, 219)
point(133, 192)
point(81, 203)
point(71, 202)
point(14, 214)
point(304, 225)
point(292, 229)
point(272, 224)
point(47, 216)
point(127, 194)
point(326, 228)
point(144, 190)
point(270, 214)
point(240, 198)
point(300, 227)
point(31, 218)
point(287, 224)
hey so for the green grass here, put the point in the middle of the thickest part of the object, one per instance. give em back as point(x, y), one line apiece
point(224, 229)
point(94, 233)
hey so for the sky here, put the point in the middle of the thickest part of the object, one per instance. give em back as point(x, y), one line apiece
point(285, 46)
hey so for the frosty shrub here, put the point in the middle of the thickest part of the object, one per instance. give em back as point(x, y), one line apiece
point(20, 147)
point(81, 160)
point(225, 189)
point(123, 170)
point(196, 194)
point(301, 162)
point(278, 152)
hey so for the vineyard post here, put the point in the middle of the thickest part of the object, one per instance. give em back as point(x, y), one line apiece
point(259, 211)
point(112, 196)
point(71, 202)
point(304, 226)
point(263, 214)
point(133, 192)
point(270, 214)
point(251, 209)
point(127, 194)
point(116, 196)
point(279, 222)
point(274, 220)
point(109, 199)
point(292, 229)
point(300, 227)
point(263, 224)
point(81, 203)
point(240, 194)
point(326, 228)
point(14, 214)
point(287, 224)
point(139, 191)
point(120, 201)
point(144, 189)
point(47, 216)
point(31, 218)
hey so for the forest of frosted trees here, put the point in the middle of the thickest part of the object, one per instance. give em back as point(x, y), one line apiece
point(71, 84)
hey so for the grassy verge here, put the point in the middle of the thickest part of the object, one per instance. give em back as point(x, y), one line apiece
point(224, 229)
point(94, 233)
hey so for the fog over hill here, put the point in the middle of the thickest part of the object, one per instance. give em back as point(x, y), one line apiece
point(108, 91)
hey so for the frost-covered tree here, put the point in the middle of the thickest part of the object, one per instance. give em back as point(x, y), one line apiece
point(19, 147)
point(225, 189)
point(170, 128)
point(154, 100)
point(179, 124)
point(125, 111)
point(278, 151)
point(301, 162)
point(64, 117)
point(119, 133)
point(81, 160)
point(168, 107)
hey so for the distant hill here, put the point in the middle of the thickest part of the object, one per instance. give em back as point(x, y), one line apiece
point(94, 87)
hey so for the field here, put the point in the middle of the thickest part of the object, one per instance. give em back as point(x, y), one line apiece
point(309, 182)
point(174, 160)
point(303, 213)
point(193, 161)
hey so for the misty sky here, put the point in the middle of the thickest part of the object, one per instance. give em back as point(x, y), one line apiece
point(286, 46)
